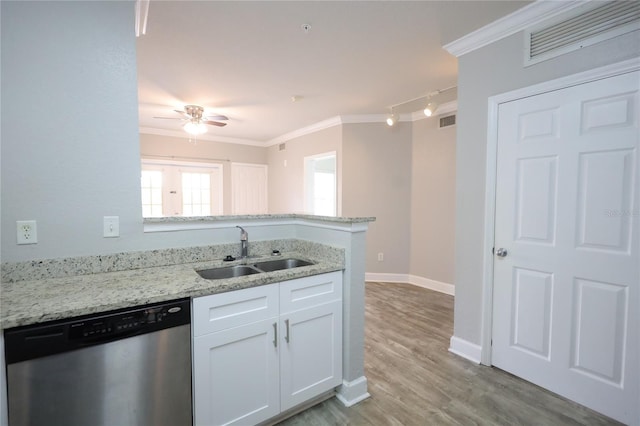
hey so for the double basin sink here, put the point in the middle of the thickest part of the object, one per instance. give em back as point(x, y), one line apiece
point(255, 268)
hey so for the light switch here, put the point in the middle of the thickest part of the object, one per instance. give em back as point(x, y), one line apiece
point(111, 226)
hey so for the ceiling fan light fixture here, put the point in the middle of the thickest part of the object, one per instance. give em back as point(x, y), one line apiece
point(195, 128)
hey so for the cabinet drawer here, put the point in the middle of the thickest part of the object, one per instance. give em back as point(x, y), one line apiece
point(305, 292)
point(234, 308)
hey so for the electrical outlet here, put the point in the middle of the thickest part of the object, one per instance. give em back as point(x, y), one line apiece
point(380, 257)
point(27, 233)
point(111, 226)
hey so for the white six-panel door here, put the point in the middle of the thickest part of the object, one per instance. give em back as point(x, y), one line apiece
point(566, 294)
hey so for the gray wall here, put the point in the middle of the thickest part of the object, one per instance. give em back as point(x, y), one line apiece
point(376, 168)
point(404, 176)
point(286, 183)
point(155, 146)
point(70, 152)
point(491, 70)
point(433, 179)
point(80, 160)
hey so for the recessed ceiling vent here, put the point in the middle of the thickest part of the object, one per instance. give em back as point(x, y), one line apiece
point(447, 121)
point(593, 23)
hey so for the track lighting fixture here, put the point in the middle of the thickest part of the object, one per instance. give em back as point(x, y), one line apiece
point(392, 118)
point(430, 109)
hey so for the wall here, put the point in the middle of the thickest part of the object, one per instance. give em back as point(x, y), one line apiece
point(376, 167)
point(433, 177)
point(286, 182)
point(491, 70)
point(155, 146)
point(69, 125)
point(80, 160)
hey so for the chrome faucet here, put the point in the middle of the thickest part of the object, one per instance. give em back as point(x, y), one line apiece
point(244, 243)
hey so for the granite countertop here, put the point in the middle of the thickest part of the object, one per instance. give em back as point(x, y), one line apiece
point(230, 218)
point(34, 301)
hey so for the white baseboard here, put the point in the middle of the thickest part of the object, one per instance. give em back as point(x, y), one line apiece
point(350, 393)
point(465, 349)
point(412, 279)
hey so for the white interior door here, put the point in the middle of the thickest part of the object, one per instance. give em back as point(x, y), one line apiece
point(566, 295)
point(249, 188)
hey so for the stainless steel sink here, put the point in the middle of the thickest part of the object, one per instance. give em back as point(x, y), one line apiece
point(279, 264)
point(227, 272)
point(256, 268)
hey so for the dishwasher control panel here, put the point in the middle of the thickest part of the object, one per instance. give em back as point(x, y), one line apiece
point(126, 322)
point(38, 340)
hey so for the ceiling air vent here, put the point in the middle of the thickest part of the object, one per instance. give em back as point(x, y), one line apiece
point(593, 23)
point(447, 121)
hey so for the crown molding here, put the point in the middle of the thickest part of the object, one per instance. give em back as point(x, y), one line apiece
point(519, 20)
point(321, 125)
point(203, 137)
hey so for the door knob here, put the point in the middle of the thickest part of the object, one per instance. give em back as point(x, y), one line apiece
point(501, 252)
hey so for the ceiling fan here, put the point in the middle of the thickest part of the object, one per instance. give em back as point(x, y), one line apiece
point(195, 120)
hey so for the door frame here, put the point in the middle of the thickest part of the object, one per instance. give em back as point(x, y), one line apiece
point(494, 102)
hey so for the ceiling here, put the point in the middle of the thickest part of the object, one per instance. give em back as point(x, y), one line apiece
point(248, 60)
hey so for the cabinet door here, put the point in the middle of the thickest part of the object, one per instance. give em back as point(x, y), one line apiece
point(310, 291)
point(311, 352)
point(234, 308)
point(236, 375)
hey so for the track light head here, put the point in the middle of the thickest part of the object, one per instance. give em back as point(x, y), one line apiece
point(430, 109)
point(392, 119)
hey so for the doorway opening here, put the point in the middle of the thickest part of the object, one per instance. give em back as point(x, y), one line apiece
point(320, 184)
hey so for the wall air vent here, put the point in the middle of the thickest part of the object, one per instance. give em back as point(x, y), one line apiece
point(282, 147)
point(586, 25)
point(447, 121)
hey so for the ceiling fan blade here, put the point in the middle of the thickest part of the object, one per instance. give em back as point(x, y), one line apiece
point(215, 123)
point(170, 118)
point(181, 112)
point(217, 117)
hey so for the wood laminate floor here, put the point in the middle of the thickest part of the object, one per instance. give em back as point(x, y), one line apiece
point(414, 380)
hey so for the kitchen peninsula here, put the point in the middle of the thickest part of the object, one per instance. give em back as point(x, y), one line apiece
point(51, 289)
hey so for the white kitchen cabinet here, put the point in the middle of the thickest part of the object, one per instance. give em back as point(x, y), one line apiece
point(311, 359)
point(311, 324)
point(260, 351)
point(236, 370)
point(236, 375)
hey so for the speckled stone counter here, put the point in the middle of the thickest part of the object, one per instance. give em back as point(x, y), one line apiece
point(65, 288)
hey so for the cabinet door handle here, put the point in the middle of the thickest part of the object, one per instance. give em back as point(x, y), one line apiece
point(275, 334)
point(286, 337)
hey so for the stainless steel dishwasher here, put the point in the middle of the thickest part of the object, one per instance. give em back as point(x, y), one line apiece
point(125, 367)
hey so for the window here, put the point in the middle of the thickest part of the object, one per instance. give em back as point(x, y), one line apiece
point(151, 193)
point(171, 188)
point(321, 184)
point(196, 194)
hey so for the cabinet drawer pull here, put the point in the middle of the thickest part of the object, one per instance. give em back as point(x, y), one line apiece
point(275, 334)
point(286, 323)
